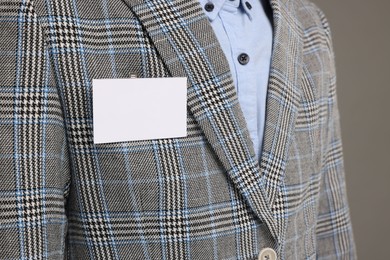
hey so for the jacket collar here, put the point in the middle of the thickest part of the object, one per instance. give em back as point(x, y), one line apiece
point(185, 40)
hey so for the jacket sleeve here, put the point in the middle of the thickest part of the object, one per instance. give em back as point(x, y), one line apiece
point(34, 160)
point(334, 229)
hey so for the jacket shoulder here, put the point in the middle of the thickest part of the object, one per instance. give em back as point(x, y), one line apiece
point(310, 15)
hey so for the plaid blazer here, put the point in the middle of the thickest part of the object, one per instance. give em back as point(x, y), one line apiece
point(203, 196)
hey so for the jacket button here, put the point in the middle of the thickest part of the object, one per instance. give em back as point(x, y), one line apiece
point(243, 58)
point(267, 254)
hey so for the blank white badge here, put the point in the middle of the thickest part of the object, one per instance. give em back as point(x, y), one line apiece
point(130, 109)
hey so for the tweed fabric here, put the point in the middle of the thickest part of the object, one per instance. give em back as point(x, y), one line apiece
point(204, 196)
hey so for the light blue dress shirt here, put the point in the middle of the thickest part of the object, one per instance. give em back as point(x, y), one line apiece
point(244, 31)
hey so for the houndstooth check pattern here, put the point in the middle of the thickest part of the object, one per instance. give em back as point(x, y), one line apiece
point(203, 196)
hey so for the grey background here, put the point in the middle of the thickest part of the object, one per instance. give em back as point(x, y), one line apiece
point(361, 38)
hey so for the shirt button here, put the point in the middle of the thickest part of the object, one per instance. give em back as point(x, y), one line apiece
point(243, 58)
point(248, 5)
point(209, 7)
point(267, 254)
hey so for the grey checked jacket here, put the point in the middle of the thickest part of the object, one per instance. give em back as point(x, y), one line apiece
point(203, 196)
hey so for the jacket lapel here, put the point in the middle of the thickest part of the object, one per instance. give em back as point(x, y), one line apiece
point(283, 98)
point(186, 42)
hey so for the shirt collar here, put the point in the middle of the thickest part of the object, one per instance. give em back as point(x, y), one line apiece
point(228, 4)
